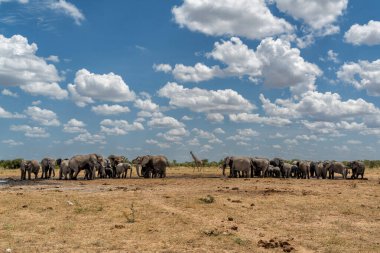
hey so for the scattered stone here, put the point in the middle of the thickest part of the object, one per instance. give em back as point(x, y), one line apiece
point(19, 193)
point(8, 250)
point(235, 228)
point(252, 204)
point(230, 219)
point(70, 203)
point(119, 226)
point(274, 243)
point(49, 208)
point(235, 188)
point(236, 201)
point(24, 206)
point(212, 232)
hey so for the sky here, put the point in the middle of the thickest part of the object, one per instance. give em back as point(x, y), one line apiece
point(274, 78)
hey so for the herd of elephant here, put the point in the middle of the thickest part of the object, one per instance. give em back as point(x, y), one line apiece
point(241, 166)
point(95, 165)
point(150, 166)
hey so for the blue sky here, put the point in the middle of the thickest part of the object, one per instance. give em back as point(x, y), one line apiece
point(288, 78)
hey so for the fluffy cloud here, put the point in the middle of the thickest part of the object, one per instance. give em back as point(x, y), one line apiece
point(368, 34)
point(319, 106)
point(89, 87)
point(19, 1)
point(88, 138)
point(166, 68)
point(198, 73)
point(205, 101)
point(146, 105)
point(174, 135)
point(202, 134)
point(157, 143)
point(165, 122)
point(106, 109)
point(68, 9)
point(19, 66)
point(74, 126)
point(8, 115)
point(256, 118)
point(9, 93)
point(42, 116)
point(12, 143)
point(362, 75)
point(33, 132)
point(215, 117)
point(219, 131)
point(318, 14)
point(119, 127)
point(248, 18)
point(283, 66)
point(275, 61)
point(243, 135)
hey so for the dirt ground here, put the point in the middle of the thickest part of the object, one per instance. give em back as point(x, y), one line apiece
point(190, 212)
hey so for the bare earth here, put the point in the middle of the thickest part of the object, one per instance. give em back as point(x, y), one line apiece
point(167, 215)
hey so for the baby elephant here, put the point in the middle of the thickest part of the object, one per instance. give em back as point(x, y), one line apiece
point(122, 170)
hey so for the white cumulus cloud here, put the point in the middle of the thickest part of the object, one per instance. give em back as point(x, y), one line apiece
point(42, 116)
point(106, 109)
point(367, 34)
point(89, 87)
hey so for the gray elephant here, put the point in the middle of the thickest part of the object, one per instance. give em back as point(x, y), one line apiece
point(237, 164)
point(313, 168)
point(285, 169)
point(90, 163)
point(294, 171)
point(304, 170)
point(114, 161)
point(105, 170)
point(358, 168)
point(273, 171)
point(320, 170)
point(48, 167)
point(29, 167)
point(259, 166)
point(122, 170)
point(151, 165)
point(336, 167)
point(276, 162)
point(63, 168)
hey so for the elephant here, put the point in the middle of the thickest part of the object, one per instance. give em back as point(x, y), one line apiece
point(114, 161)
point(285, 169)
point(275, 162)
point(273, 171)
point(313, 168)
point(89, 163)
point(151, 165)
point(122, 170)
point(259, 166)
point(237, 164)
point(358, 168)
point(30, 167)
point(303, 170)
point(294, 171)
point(48, 166)
point(63, 168)
point(105, 170)
point(320, 170)
point(336, 167)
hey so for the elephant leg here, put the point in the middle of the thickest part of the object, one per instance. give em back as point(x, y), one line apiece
point(75, 174)
point(29, 174)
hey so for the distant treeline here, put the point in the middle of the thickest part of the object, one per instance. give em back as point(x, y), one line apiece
point(15, 164)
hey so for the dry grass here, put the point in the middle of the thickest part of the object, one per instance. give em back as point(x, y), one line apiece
point(168, 215)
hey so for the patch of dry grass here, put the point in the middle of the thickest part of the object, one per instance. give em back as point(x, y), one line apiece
point(166, 215)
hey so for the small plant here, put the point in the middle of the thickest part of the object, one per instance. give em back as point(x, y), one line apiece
point(131, 215)
point(208, 199)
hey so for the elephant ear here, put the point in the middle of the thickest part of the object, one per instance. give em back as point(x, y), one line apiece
point(145, 160)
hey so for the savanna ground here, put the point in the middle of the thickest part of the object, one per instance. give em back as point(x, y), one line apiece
point(174, 214)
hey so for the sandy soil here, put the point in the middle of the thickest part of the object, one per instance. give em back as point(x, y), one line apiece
point(175, 214)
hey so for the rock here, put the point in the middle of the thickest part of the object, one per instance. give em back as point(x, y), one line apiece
point(235, 188)
point(230, 219)
point(70, 203)
point(119, 226)
point(24, 206)
point(234, 228)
